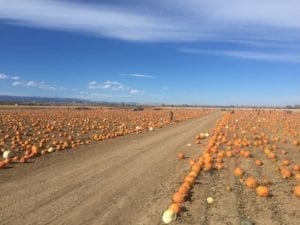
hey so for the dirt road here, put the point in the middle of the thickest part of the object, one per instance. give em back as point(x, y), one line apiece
point(128, 180)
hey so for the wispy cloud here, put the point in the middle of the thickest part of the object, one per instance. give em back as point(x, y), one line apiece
point(166, 20)
point(7, 77)
point(135, 92)
point(3, 77)
point(35, 84)
point(95, 19)
point(113, 86)
point(16, 84)
point(253, 55)
point(137, 75)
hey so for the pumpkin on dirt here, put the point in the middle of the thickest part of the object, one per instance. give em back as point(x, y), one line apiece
point(238, 172)
point(7, 154)
point(181, 155)
point(296, 191)
point(285, 173)
point(285, 162)
point(250, 182)
point(175, 208)
point(296, 142)
point(184, 190)
point(258, 162)
point(262, 191)
point(178, 198)
point(169, 216)
point(189, 179)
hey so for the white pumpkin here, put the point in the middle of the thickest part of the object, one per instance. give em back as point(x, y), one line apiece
point(202, 135)
point(169, 216)
point(8, 154)
point(210, 200)
point(51, 149)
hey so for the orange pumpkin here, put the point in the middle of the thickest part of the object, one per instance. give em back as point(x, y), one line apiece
point(175, 208)
point(296, 142)
point(285, 173)
point(228, 154)
point(238, 172)
point(186, 185)
point(181, 155)
point(197, 167)
point(296, 191)
point(34, 149)
point(285, 162)
point(193, 174)
point(250, 182)
point(262, 191)
point(208, 166)
point(296, 167)
point(190, 180)
point(184, 190)
point(178, 198)
point(258, 162)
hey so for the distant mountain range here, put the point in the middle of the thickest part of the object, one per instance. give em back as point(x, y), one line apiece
point(49, 101)
point(25, 100)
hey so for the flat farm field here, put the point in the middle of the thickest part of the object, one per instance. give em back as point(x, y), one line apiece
point(117, 166)
point(31, 132)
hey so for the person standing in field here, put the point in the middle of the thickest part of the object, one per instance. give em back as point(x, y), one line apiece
point(171, 115)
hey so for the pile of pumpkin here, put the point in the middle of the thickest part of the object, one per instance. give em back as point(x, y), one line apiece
point(230, 138)
point(28, 133)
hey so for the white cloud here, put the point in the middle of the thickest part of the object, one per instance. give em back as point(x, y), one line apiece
point(113, 22)
point(140, 75)
point(16, 84)
point(7, 77)
point(30, 84)
point(137, 75)
point(3, 77)
point(166, 20)
point(254, 55)
point(111, 85)
point(134, 91)
point(35, 84)
point(106, 86)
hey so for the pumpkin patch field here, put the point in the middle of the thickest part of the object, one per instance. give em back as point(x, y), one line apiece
point(28, 133)
point(117, 166)
point(247, 173)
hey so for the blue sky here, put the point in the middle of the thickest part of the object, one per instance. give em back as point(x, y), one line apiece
point(171, 51)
